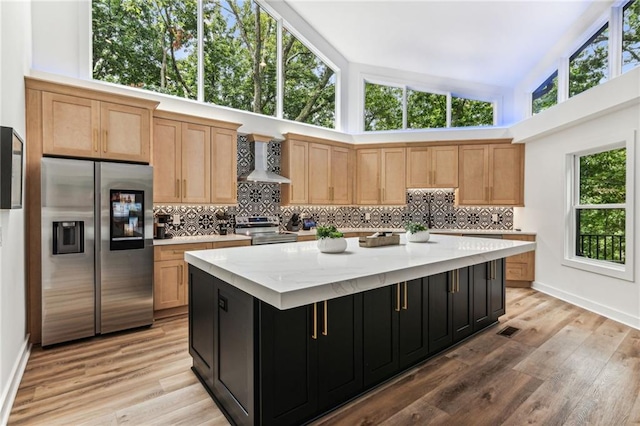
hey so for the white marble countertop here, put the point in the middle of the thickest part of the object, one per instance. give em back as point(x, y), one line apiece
point(296, 274)
point(200, 239)
point(433, 231)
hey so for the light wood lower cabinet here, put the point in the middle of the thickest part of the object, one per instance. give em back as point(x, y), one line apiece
point(170, 278)
point(521, 268)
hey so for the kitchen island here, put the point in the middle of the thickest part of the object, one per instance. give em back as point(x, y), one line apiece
point(281, 334)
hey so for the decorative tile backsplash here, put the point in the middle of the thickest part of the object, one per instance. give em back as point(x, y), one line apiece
point(433, 206)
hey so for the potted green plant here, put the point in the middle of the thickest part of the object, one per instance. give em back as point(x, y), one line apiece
point(416, 232)
point(330, 240)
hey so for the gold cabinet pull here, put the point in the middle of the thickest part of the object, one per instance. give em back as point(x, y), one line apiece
point(315, 322)
point(451, 283)
point(398, 297)
point(384, 196)
point(106, 140)
point(457, 280)
point(325, 328)
point(95, 140)
point(184, 188)
point(181, 274)
point(177, 191)
point(405, 301)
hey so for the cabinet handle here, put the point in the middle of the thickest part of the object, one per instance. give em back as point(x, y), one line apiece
point(181, 274)
point(184, 188)
point(405, 301)
point(486, 193)
point(106, 140)
point(95, 140)
point(325, 328)
point(451, 284)
point(457, 275)
point(495, 269)
point(398, 297)
point(315, 322)
point(291, 196)
point(177, 192)
point(492, 270)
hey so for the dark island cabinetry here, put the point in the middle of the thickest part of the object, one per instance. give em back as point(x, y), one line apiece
point(266, 366)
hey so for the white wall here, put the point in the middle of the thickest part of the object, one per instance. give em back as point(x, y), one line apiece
point(588, 120)
point(15, 54)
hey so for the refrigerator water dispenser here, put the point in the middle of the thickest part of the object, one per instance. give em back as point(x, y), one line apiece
point(68, 237)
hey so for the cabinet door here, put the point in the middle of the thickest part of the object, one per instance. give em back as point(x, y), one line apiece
point(481, 296)
point(340, 351)
point(462, 300)
point(169, 284)
point(440, 315)
point(419, 167)
point(520, 267)
point(368, 176)
point(497, 289)
point(506, 174)
point(224, 169)
point(319, 174)
point(444, 166)
point(414, 322)
point(473, 175)
point(341, 177)
point(167, 161)
point(381, 308)
point(289, 388)
point(201, 323)
point(394, 189)
point(126, 132)
point(71, 126)
point(196, 163)
point(295, 160)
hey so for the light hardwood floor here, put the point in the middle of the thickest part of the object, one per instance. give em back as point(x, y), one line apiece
point(565, 366)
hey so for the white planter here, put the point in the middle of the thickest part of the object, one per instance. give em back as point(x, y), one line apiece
point(418, 237)
point(332, 245)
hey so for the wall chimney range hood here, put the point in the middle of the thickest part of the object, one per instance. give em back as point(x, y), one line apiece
point(260, 172)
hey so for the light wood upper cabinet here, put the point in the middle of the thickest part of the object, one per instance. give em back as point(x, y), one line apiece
point(432, 167)
point(193, 162)
point(329, 175)
point(71, 126)
point(380, 177)
point(491, 174)
point(196, 163)
point(167, 161)
point(295, 166)
point(224, 170)
point(81, 127)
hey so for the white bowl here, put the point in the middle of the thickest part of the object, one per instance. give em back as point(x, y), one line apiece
point(332, 245)
point(418, 237)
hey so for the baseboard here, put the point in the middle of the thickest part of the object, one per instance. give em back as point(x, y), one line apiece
point(589, 305)
point(9, 393)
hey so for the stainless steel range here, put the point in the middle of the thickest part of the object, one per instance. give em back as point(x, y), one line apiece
point(263, 230)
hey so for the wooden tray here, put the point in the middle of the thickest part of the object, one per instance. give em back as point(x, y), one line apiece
point(379, 241)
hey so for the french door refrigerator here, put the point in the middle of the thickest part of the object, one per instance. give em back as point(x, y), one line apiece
point(97, 248)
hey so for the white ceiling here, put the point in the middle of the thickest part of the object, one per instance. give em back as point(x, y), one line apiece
point(491, 42)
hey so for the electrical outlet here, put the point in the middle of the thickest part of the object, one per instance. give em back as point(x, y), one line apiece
point(176, 219)
point(494, 218)
point(367, 216)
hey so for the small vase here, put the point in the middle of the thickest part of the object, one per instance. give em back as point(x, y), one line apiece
point(418, 237)
point(332, 245)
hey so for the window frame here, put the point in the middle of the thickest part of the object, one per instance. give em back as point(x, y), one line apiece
point(605, 27)
point(571, 259)
point(417, 88)
point(542, 92)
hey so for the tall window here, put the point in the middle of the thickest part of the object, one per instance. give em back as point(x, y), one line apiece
point(546, 95)
point(382, 107)
point(631, 35)
point(153, 45)
point(426, 110)
point(470, 112)
point(309, 85)
point(589, 66)
point(150, 45)
point(239, 56)
point(600, 215)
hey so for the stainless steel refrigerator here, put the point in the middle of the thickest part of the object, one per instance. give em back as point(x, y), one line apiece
point(97, 248)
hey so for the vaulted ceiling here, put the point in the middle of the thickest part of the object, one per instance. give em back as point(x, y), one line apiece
point(491, 42)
